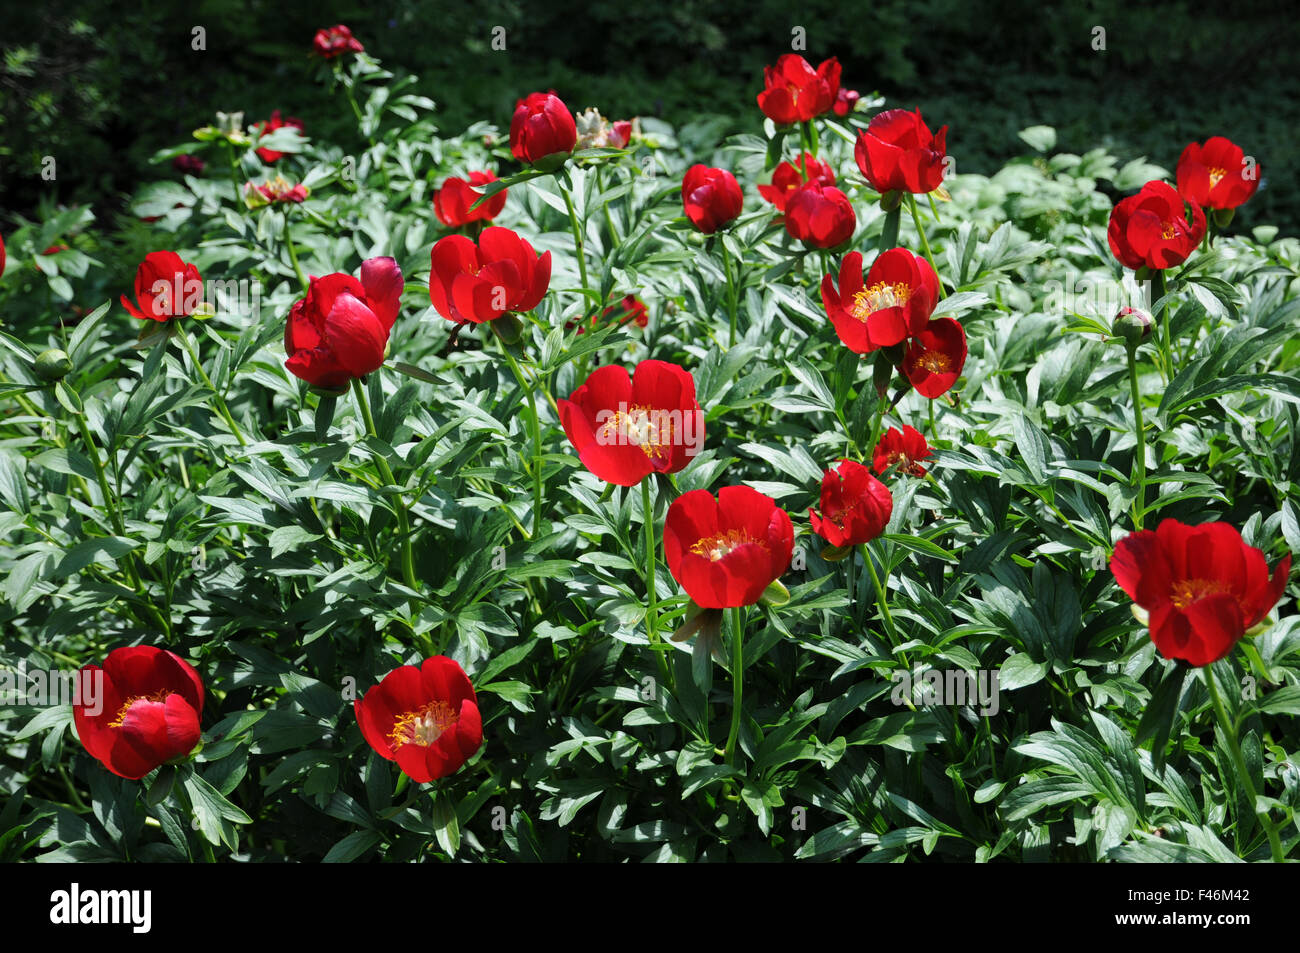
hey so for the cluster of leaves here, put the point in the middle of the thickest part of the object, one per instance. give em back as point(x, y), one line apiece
point(132, 514)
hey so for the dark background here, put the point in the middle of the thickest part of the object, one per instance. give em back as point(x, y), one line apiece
point(102, 85)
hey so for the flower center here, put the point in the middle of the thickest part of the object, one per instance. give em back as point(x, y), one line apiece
point(1169, 232)
point(423, 726)
point(879, 296)
point(719, 545)
point(1187, 591)
point(1216, 175)
point(158, 696)
point(936, 362)
point(642, 427)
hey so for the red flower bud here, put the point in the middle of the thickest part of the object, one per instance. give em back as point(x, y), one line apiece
point(1150, 229)
point(542, 126)
point(625, 428)
point(335, 41)
point(267, 126)
point(480, 282)
point(165, 287)
point(339, 331)
point(711, 198)
point(452, 202)
point(795, 92)
point(425, 718)
point(140, 710)
point(855, 506)
point(1216, 175)
point(726, 551)
point(897, 152)
point(846, 100)
point(1201, 586)
point(789, 176)
point(188, 163)
point(819, 216)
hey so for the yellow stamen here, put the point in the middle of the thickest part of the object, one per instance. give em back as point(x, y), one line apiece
point(158, 696)
point(423, 726)
point(718, 546)
point(879, 296)
point(1187, 591)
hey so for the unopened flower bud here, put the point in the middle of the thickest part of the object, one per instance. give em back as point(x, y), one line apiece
point(53, 365)
point(1132, 325)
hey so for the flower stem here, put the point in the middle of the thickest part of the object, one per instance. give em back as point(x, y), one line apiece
point(1161, 316)
point(535, 424)
point(880, 595)
point(198, 365)
point(652, 609)
point(925, 243)
point(578, 248)
point(731, 292)
point(889, 232)
point(386, 473)
point(293, 257)
point(1230, 733)
point(1140, 456)
point(737, 680)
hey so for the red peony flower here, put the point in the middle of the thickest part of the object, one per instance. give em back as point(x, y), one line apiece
point(54, 250)
point(335, 41)
point(1216, 175)
point(1201, 586)
point(620, 134)
point(726, 551)
point(542, 126)
point(274, 191)
point(898, 153)
point(789, 176)
point(625, 428)
point(820, 216)
point(901, 449)
point(891, 304)
point(452, 202)
point(935, 357)
point(855, 506)
point(481, 282)
point(711, 198)
point(426, 718)
point(268, 126)
point(145, 710)
point(165, 287)
point(795, 92)
point(190, 164)
point(1150, 229)
point(846, 100)
point(339, 331)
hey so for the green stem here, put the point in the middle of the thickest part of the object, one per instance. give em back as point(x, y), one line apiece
point(198, 366)
point(1140, 461)
point(889, 233)
point(1161, 316)
point(925, 243)
point(1230, 733)
point(386, 473)
point(535, 424)
point(578, 248)
point(652, 609)
point(880, 596)
point(234, 171)
point(878, 425)
point(731, 292)
point(293, 257)
point(737, 680)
